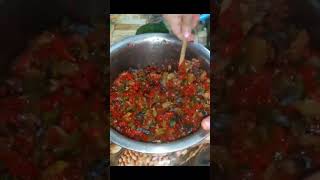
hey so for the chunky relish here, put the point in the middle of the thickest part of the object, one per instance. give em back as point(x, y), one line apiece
point(157, 104)
point(52, 115)
point(267, 120)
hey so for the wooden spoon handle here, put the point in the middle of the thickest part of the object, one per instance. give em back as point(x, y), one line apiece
point(183, 51)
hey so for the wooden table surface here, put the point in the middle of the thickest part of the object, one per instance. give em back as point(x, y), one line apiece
point(125, 25)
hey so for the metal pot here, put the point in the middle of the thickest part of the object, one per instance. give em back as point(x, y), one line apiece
point(154, 49)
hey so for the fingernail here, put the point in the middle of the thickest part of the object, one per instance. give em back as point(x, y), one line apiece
point(186, 34)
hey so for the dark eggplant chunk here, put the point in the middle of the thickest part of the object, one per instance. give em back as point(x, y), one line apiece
point(140, 116)
point(187, 128)
point(196, 71)
point(98, 169)
point(175, 119)
point(14, 86)
point(280, 119)
point(176, 116)
point(221, 122)
point(132, 70)
point(288, 90)
point(204, 113)
point(304, 161)
point(145, 131)
point(313, 128)
point(163, 88)
point(298, 126)
point(289, 97)
point(179, 100)
point(279, 40)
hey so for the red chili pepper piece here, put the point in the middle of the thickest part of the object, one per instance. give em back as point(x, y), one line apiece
point(69, 122)
point(24, 144)
point(9, 116)
point(206, 86)
point(229, 21)
point(48, 160)
point(49, 103)
point(73, 103)
point(23, 64)
point(90, 71)
point(43, 53)
point(94, 133)
point(315, 95)
point(3, 91)
point(98, 103)
point(308, 74)
point(190, 90)
point(126, 76)
point(19, 166)
point(165, 117)
point(60, 49)
point(54, 137)
point(251, 90)
point(231, 48)
point(13, 103)
point(88, 77)
point(230, 16)
point(115, 111)
point(155, 77)
point(81, 83)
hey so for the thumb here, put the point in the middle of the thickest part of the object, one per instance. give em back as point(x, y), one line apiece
point(206, 123)
point(187, 27)
point(195, 20)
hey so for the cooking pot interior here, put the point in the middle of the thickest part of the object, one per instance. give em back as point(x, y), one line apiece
point(152, 51)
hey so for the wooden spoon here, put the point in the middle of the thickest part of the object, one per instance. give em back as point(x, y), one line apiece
point(184, 42)
point(183, 51)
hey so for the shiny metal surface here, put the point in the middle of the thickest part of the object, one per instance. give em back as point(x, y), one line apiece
point(154, 49)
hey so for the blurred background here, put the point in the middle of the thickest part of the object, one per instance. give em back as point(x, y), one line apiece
point(123, 25)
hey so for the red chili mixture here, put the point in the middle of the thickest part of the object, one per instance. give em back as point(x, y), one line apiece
point(267, 123)
point(52, 118)
point(160, 105)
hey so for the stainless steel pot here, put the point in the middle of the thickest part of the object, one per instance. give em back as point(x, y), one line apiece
point(154, 49)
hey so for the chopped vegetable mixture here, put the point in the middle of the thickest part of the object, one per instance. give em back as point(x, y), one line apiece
point(267, 120)
point(156, 104)
point(52, 112)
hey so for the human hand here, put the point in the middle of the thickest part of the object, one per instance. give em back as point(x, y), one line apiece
point(182, 24)
point(205, 124)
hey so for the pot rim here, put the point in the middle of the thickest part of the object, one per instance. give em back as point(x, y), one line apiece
point(158, 148)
